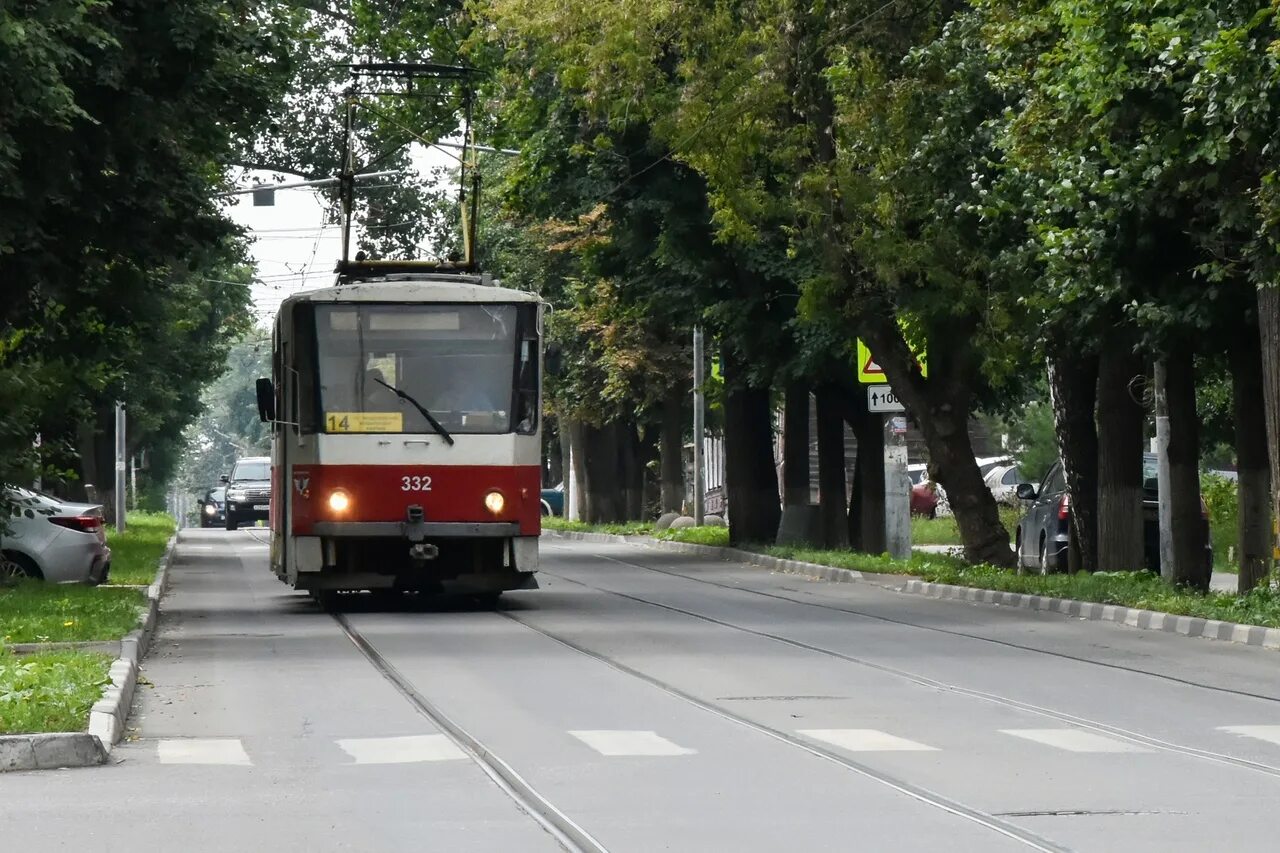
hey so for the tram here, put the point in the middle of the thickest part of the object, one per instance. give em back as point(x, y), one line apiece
point(404, 407)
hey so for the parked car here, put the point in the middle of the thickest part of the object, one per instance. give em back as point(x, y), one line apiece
point(248, 496)
point(213, 507)
point(54, 540)
point(553, 500)
point(1002, 481)
point(1044, 531)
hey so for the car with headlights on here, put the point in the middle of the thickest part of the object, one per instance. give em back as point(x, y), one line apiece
point(248, 495)
point(47, 538)
point(213, 507)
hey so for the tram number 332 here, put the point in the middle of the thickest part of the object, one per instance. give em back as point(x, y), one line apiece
point(415, 484)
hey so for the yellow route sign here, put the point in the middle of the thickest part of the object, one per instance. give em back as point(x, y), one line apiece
point(364, 422)
point(871, 373)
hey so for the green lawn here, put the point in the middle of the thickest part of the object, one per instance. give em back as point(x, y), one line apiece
point(628, 528)
point(943, 531)
point(38, 612)
point(50, 692)
point(135, 554)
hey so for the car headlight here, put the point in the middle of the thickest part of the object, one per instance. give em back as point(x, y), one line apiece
point(235, 496)
point(210, 509)
point(339, 501)
point(494, 502)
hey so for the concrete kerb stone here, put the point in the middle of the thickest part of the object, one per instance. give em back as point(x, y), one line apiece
point(1145, 620)
point(108, 715)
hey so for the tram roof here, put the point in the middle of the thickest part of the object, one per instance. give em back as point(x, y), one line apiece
point(415, 287)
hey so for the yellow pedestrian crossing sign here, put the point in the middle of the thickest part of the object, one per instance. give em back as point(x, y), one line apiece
point(871, 373)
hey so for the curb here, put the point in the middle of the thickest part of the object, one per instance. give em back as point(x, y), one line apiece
point(108, 715)
point(1146, 620)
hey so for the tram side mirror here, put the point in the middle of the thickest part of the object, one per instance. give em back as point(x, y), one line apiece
point(266, 400)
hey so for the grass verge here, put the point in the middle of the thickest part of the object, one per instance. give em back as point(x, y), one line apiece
point(943, 531)
point(36, 612)
point(698, 535)
point(1129, 589)
point(50, 692)
point(136, 553)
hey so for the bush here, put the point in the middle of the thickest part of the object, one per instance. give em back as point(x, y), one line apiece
point(1221, 497)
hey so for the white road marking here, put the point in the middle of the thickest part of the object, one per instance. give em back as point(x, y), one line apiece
point(1074, 740)
point(186, 547)
point(401, 750)
point(616, 742)
point(1271, 734)
point(866, 740)
point(227, 750)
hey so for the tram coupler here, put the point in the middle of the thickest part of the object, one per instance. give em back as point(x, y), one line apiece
point(420, 552)
point(415, 531)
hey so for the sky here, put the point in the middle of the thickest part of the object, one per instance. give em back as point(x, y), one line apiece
point(296, 242)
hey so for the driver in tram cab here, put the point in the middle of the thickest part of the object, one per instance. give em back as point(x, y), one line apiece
point(378, 397)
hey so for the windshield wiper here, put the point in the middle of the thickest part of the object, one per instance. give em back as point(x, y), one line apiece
point(435, 424)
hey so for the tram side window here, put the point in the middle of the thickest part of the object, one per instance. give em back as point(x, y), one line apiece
point(527, 367)
point(304, 349)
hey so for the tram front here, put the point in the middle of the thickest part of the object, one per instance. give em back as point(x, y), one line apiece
point(406, 448)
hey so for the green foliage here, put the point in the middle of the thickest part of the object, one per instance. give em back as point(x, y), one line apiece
point(944, 531)
point(135, 554)
point(629, 528)
point(1031, 432)
point(51, 691)
point(38, 612)
point(717, 537)
point(1221, 496)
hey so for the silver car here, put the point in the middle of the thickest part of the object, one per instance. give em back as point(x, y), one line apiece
point(46, 538)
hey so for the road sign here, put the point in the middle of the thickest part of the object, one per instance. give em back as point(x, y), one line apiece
point(880, 398)
point(871, 373)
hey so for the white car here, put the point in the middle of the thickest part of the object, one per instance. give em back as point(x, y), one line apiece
point(1003, 481)
point(50, 539)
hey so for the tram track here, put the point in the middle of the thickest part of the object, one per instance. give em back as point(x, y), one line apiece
point(568, 834)
point(1173, 679)
point(922, 795)
point(925, 681)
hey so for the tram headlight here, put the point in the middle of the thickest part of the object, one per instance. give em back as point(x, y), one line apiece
point(339, 501)
point(494, 502)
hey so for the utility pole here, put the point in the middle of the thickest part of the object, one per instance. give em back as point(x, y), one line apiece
point(121, 464)
point(897, 489)
point(698, 426)
point(1164, 490)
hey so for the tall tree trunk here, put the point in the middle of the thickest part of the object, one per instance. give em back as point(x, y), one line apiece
point(1121, 418)
point(795, 446)
point(832, 508)
point(604, 492)
point(1254, 484)
point(630, 456)
point(866, 506)
point(578, 441)
point(1269, 328)
point(751, 481)
point(671, 449)
point(1073, 380)
point(553, 471)
point(1186, 522)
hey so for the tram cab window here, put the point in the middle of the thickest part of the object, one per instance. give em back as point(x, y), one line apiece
point(457, 361)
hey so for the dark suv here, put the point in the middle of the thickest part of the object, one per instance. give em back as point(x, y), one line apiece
point(248, 491)
point(1043, 532)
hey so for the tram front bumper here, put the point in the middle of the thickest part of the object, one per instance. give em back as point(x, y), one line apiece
point(406, 530)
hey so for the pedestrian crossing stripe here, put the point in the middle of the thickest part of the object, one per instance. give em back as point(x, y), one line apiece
point(1075, 740)
point(866, 740)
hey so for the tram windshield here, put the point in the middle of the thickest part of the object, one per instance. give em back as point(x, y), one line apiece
point(457, 361)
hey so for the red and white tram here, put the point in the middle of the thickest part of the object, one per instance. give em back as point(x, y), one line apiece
point(405, 406)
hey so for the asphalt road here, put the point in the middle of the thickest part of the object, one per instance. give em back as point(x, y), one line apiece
point(646, 700)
